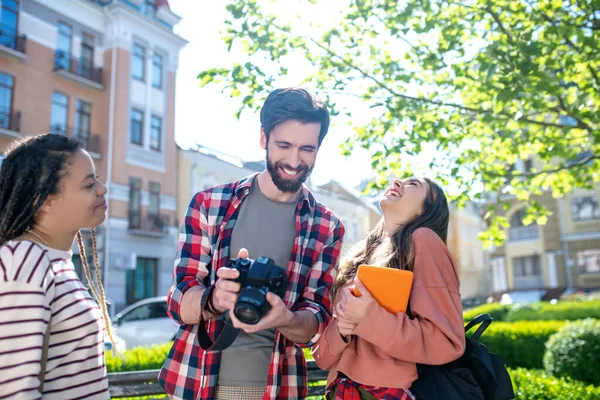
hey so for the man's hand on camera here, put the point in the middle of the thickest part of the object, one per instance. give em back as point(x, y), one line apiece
point(277, 317)
point(226, 291)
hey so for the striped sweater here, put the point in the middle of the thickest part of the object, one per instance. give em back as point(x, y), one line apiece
point(39, 284)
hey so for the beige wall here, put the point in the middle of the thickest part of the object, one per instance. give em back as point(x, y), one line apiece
point(467, 252)
point(122, 170)
point(553, 239)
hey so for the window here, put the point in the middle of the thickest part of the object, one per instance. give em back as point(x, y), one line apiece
point(354, 231)
point(63, 46)
point(155, 133)
point(518, 231)
point(6, 93)
point(137, 127)
point(154, 199)
point(83, 121)
point(141, 283)
point(145, 312)
point(137, 62)
point(135, 202)
point(87, 56)
point(10, 20)
point(157, 71)
point(585, 208)
point(527, 266)
point(148, 7)
point(589, 261)
point(59, 115)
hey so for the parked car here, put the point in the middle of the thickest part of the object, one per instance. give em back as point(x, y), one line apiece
point(146, 323)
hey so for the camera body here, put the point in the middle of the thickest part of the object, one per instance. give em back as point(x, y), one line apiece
point(257, 278)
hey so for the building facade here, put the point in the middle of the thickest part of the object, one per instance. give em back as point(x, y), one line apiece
point(468, 253)
point(103, 72)
point(562, 255)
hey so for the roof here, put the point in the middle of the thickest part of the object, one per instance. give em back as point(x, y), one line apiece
point(349, 194)
point(162, 3)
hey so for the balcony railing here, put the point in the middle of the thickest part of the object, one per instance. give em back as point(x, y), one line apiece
point(77, 66)
point(521, 233)
point(10, 120)
point(529, 282)
point(89, 141)
point(156, 225)
point(12, 39)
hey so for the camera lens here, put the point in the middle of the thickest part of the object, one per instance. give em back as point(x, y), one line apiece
point(247, 313)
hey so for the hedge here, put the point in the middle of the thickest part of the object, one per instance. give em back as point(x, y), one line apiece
point(574, 351)
point(496, 310)
point(138, 359)
point(520, 344)
point(529, 384)
point(544, 311)
point(536, 385)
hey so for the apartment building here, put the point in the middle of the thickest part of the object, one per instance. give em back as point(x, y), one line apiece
point(545, 261)
point(103, 71)
point(467, 251)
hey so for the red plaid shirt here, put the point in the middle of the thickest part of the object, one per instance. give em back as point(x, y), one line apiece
point(189, 372)
point(346, 389)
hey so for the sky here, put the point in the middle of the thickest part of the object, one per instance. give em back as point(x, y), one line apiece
point(207, 117)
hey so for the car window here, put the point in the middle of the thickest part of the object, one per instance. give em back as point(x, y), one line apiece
point(146, 311)
point(137, 314)
point(158, 310)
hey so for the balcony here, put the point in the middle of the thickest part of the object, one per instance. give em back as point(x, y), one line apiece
point(12, 43)
point(523, 233)
point(529, 282)
point(78, 69)
point(89, 141)
point(148, 225)
point(10, 123)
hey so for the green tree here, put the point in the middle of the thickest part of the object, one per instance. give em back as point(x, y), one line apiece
point(484, 82)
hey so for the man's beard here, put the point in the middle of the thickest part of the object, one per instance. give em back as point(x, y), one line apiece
point(288, 185)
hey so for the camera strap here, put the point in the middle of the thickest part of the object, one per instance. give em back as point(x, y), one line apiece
point(225, 339)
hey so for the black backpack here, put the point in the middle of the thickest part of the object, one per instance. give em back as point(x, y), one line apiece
point(476, 375)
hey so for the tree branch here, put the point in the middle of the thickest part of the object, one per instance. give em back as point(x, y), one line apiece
point(578, 164)
point(510, 38)
point(382, 85)
point(572, 45)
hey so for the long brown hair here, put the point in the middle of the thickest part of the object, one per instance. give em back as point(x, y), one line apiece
point(397, 252)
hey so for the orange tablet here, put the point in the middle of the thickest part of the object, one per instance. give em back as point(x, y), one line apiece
point(389, 286)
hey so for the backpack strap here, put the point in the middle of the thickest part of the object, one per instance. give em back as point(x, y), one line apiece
point(484, 320)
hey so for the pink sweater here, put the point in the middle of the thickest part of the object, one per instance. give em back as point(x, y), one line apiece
point(385, 348)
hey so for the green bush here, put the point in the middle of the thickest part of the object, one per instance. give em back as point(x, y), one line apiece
point(520, 344)
point(138, 359)
point(536, 385)
point(575, 351)
point(567, 310)
point(543, 311)
point(496, 310)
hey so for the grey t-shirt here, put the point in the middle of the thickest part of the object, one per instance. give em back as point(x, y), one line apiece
point(265, 228)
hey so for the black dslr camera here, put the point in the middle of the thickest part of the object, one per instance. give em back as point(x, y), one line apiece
point(257, 277)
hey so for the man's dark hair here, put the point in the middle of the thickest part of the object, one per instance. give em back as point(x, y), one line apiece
point(293, 104)
point(32, 170)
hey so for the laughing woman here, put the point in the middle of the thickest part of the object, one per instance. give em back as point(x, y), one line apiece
point(371, 353)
